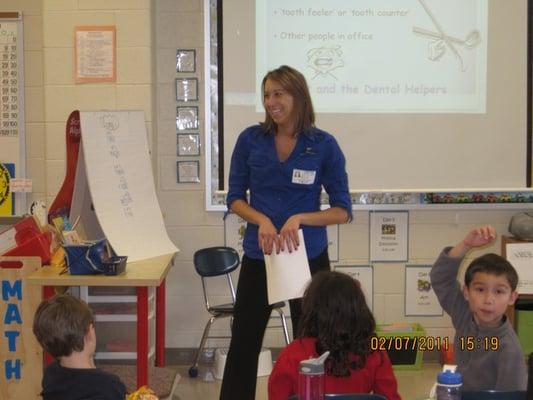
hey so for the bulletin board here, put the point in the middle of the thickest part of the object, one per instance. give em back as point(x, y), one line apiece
point(12, 126)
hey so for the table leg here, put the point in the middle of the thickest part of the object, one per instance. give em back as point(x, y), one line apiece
point(48, 291)
point(160, 325)
point(142, 336)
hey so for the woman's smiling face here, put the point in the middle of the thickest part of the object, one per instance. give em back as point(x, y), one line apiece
point(279, 103)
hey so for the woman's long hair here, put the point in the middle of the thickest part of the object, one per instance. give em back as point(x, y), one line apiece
point(334, 311)
point(295, 84)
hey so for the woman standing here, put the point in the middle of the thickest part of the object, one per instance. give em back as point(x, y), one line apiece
point(284, 163)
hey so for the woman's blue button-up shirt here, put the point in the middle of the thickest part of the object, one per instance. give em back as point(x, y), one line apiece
point(282, 189)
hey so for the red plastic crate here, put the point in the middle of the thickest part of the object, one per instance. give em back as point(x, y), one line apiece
point(38, 245)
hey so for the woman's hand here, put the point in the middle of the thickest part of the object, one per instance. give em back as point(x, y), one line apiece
point(267, 236)
point(289, 234)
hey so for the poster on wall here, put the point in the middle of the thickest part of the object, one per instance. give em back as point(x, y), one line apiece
point(95, 54)
point(420, 299)
point(389, 236)
point(7, 204)
point(12, 119)
point(365, 275)
point(520, 255)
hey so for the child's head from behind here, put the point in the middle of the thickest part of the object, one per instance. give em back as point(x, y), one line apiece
point(61, 324)
point(334, 311)
point(490, 287)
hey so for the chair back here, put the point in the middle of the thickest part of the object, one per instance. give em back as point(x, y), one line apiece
point(493, 395)
point(216, 261)
point(348, 396)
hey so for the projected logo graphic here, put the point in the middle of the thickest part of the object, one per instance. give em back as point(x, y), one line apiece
point(323, 60)
point(440, 41)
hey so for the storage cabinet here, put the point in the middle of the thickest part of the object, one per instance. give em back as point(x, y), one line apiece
point(115, 310)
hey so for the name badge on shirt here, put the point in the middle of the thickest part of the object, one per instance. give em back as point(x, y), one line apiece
point(303, 177)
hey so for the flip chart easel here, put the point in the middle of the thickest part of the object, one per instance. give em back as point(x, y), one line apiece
point(114, 190)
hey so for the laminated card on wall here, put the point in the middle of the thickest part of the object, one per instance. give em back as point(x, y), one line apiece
point(114, 192)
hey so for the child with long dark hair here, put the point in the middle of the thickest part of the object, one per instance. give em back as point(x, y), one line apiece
point(335, 318)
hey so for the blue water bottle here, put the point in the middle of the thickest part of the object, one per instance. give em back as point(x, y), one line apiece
point(449, 385)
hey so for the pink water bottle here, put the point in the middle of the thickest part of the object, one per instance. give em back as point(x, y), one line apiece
point(311, 378)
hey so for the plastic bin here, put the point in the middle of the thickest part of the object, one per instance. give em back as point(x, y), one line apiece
point(38, 246)
point(399, 344)
point(25, 239)
point(524, 324)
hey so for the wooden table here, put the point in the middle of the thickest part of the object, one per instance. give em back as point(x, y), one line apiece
point(140, 274)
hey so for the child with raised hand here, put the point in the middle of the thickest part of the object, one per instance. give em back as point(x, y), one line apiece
point(486, 348)
point(335, 318)
point(64, 326)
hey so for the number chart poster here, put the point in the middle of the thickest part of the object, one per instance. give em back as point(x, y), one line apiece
point(420, 299)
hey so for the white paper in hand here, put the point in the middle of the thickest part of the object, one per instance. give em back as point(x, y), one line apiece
point(287, 273)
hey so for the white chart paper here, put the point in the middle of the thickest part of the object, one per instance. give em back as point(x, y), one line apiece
point(114, 156)
point(287, 273)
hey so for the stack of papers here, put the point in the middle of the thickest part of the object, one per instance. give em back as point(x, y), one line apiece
point(287, 273)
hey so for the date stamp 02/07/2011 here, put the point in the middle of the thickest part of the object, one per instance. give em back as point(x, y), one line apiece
point(433, 343)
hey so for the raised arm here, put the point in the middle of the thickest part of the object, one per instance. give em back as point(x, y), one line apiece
point(477, 237)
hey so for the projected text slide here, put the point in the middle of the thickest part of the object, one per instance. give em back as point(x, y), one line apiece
point(377, 55)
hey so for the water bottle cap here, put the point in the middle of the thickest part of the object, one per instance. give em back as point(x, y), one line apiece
point(450, 378)
point(314, 365)
point(311, 368)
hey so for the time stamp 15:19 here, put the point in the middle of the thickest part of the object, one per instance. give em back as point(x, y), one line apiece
point(433, 343)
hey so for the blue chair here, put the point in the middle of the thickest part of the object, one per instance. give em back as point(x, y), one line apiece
point(494, 395)
point(219, 262)
point(348, 396)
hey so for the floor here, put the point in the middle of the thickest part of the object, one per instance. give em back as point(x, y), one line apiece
point(413, 385)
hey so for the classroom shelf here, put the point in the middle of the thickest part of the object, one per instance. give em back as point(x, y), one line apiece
point(115, 312)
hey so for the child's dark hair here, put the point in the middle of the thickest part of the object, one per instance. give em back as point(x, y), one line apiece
point(494, 264)
point(61, 323)
point(334, 311)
